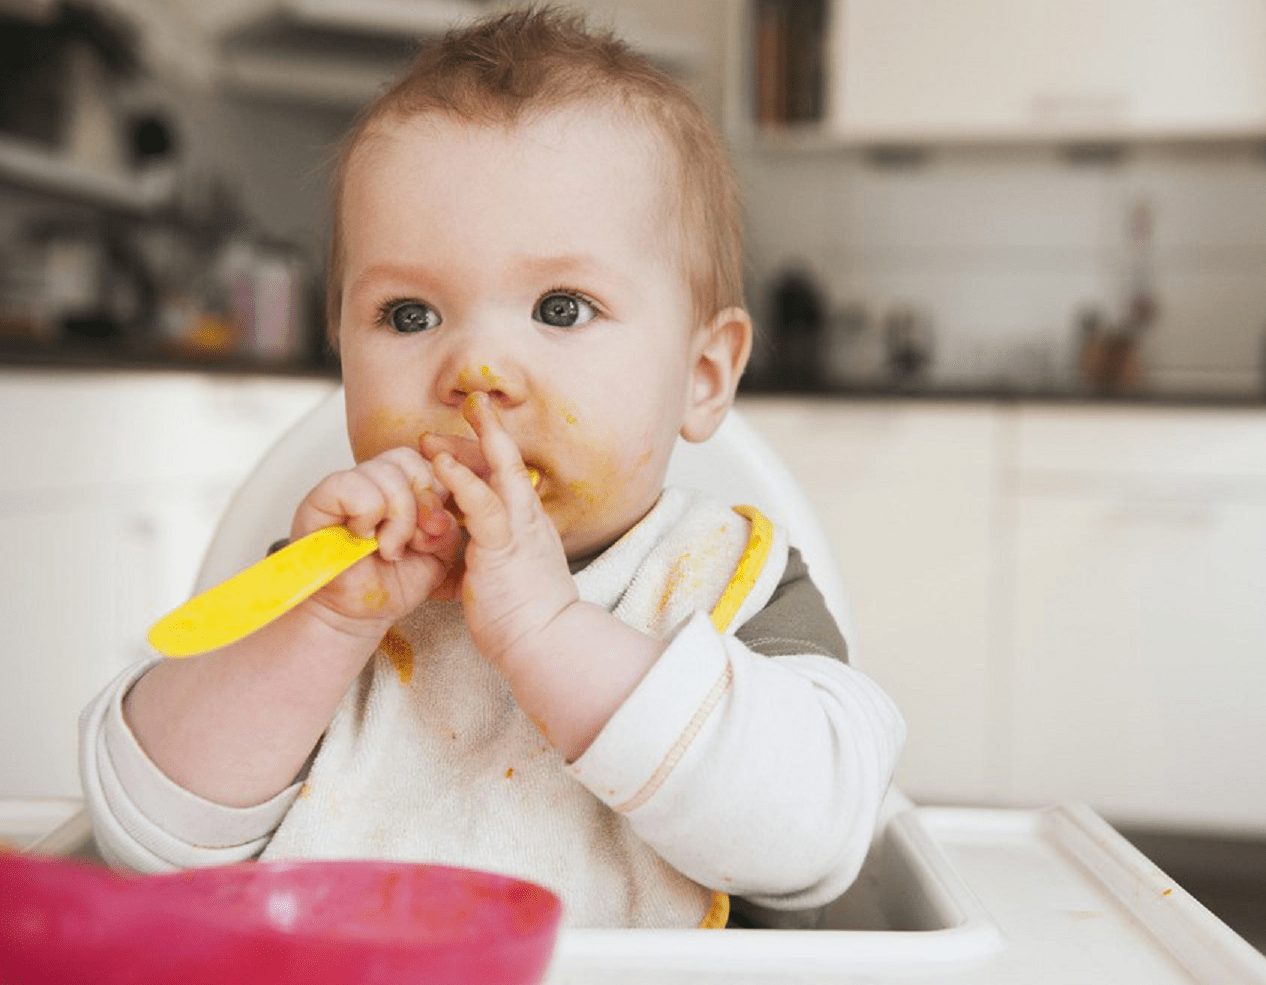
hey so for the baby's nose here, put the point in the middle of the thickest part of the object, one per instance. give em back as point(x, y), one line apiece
point(502, 383)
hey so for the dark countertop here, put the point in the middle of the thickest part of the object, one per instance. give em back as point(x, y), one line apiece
point(1004, 393)
point(17, 354)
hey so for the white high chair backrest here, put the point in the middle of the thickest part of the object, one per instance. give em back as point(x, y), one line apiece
point(736, 465)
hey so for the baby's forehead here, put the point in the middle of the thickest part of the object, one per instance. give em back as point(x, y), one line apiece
point(626, 152)
point(659, 205)
point(578, 124)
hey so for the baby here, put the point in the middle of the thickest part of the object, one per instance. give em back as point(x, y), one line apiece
point(553, 666)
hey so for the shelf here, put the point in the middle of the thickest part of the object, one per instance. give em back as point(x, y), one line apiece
point(29, 166)
point(340, 53)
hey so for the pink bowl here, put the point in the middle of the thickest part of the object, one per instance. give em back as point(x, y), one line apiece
point(272, 923)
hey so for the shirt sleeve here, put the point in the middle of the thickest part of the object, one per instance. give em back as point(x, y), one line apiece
point(144, 821)
point(760, 776)
point(796, 619)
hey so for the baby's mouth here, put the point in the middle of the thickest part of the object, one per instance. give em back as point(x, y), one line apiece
point(467, 450)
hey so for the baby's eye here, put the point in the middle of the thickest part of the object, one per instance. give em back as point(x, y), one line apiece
point(409, 316)
point(564, 310)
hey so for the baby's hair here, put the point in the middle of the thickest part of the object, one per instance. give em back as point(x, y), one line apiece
point(536, 59)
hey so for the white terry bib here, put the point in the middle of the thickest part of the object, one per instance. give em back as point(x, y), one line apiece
point(429, 758)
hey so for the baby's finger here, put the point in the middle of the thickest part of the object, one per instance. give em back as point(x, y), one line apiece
point(486, 519)
point(348, 497)
point(399, 520)
point(509, 475)
point(465, 450)
point(438, 535)
point(429, 516)
point(418, 470)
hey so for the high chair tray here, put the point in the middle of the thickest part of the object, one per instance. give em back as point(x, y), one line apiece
point(948, 896)
point(26, 822)
point(956, 896)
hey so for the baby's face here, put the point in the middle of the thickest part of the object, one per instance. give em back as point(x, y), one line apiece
point(534, 263)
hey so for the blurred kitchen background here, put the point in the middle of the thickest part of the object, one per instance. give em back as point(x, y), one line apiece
point(1008, 263)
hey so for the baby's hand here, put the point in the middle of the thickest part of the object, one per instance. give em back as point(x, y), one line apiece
point(516, 580)
point(395, 498)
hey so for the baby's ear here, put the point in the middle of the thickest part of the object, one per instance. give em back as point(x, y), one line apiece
point(719, 354)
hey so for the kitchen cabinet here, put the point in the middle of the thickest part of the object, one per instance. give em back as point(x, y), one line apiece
point(900, 71)
point(1137, 570)
point(907, 496)
point(111, 489)
point(1064, 601)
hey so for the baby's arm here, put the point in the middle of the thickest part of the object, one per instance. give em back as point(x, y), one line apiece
point(236, 725)
point(762, 776)
point(570, 663)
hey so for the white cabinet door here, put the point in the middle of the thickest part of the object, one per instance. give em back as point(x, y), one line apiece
point(1140, 657)
point(73, 581)
point(1136, 576)
point(83, 578)
point(919, 69)
point(111, 489)
point(906, 493)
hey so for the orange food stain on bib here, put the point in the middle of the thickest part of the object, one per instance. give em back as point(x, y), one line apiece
point(400, 653)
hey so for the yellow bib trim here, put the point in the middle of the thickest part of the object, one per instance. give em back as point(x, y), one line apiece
point(718, 913)
point(750, 565)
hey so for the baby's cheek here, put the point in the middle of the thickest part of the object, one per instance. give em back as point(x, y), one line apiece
point(382, 428)
point(606, 487)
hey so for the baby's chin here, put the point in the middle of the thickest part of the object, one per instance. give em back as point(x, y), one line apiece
point(582, 543)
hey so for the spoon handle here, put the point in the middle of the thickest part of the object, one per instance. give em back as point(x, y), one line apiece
point(256, 596)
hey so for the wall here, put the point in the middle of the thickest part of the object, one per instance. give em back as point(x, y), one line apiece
point(1004, 247)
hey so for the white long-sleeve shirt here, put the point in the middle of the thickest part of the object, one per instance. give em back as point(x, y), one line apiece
point(748, 761)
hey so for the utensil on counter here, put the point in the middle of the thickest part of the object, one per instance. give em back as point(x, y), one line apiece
point(800, 318)
point(909, 343)
point(354, 922)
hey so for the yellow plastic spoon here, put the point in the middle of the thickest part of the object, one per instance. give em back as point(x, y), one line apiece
point(256, 596)
point(269, 588)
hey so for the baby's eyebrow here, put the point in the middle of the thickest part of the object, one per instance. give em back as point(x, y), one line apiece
point(566, 265)
point(532, 269)
point(400, 272)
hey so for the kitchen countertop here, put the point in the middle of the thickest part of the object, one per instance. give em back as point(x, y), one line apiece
point(17, 354)
point(20, 354)
point(1003, 392)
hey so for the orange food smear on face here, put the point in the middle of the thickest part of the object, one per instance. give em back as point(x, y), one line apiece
point(385, 428)
point(400, 653)
point(376, 599)
point(510, 772)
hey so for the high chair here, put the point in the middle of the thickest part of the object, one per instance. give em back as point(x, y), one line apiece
point(947, 895)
